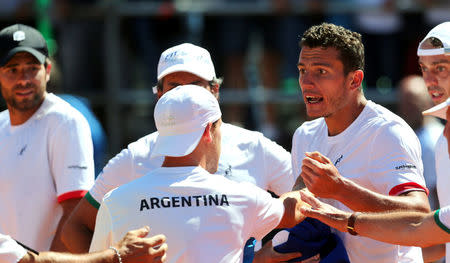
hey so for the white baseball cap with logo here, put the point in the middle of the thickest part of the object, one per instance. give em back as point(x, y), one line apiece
point(188, 58)
point(181, 116)
point(441, 32)
point(439, 110)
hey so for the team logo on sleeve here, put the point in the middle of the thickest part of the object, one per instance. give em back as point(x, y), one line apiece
point(405, 166)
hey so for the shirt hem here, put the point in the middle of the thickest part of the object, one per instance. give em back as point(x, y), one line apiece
point(71, 195)
point(439, 223)
point(92, 201)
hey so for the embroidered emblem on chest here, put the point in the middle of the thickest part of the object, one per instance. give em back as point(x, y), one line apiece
point(22, 150)
point(338, 160)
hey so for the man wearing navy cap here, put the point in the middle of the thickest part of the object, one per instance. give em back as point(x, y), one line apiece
point(46, 156)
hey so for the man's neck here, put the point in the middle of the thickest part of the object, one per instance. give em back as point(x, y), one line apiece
point(183, 161)
point(342, 119)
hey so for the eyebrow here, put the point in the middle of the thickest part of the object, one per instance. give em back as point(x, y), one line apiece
point(17, 64)
point(190, 83)
point(316, 64)
point(442, 61)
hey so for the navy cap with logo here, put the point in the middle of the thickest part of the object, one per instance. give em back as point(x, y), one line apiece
point(22, 38)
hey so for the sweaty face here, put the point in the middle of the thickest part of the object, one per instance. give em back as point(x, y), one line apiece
point(322, 81)
point(182, 78)
point(23, 80)
point(435, 71)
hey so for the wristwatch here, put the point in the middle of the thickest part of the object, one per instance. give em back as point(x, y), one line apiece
point(351, 224)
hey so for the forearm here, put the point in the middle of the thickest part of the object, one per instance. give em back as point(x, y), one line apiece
point(77, 237)
point(57, 243)
point(106, 256)
point(78, 230)
point(433, 253)
point(68, 206)
point(402, 228)
point(362, 199)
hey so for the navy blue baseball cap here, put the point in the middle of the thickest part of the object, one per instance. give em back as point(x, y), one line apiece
point(22, 38)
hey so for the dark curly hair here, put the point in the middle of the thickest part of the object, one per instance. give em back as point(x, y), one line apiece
point(348, 44)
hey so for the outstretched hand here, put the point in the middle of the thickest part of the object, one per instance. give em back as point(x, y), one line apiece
point(320, 175)
point(135, 247)
point(324, 212)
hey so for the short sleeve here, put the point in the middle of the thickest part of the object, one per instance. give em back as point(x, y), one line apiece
point(102, 238)
point(10, 251)
point(442, 218)
point(71, 158)
point(112, 176)
point(278, 167)
point(267, 211)
point(395, 164)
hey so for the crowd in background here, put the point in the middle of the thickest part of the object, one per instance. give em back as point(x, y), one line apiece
point(254, 44)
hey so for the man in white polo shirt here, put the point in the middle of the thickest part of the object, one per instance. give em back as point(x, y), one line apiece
point(246, 156)
point(356, 154)
point(404, 228)
point(205, 217)
point(434, 61)
point(46, 156)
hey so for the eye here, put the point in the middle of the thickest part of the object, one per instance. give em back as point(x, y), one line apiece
point(12, 70)
point(440, 68)
point(301, 71)
point(423, 69)
point(322, 71)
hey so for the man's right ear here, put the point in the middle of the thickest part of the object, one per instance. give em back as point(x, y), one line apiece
point(207, 135)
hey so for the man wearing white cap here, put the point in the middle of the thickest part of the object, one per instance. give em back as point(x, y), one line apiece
point(205, 216)
point(246, 156)
point(403, 228)
point(434, 61)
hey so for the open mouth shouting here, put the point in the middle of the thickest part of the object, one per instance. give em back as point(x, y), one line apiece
point(437, 94)
point(310, 99)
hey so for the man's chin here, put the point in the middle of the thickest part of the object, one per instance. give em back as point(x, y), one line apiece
point(26, 105)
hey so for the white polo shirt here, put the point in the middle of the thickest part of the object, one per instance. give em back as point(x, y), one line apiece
point(443, 179)
point(378, 151)
point(442, 218)
point(10, 251)
point(205, 217)
point(246, 156)
point(44, 161)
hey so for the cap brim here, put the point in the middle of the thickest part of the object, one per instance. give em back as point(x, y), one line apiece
point(439, 110)
point(38, 55)
point(184, 68)
point(177, 145)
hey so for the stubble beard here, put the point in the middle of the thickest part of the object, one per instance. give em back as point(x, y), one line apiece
point(27, 104)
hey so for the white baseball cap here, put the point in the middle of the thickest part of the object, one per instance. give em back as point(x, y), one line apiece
point(189, 58)
point(441, 32)
point(439, 110)
point(181, 116)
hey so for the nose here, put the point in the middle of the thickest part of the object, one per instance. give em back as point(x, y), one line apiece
point(305, 80)
point(23, 76)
